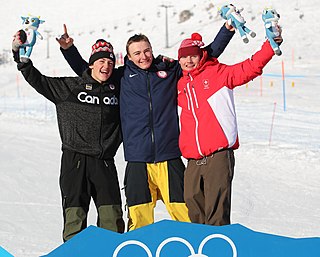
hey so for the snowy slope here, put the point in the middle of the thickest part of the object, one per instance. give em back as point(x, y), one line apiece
point(276, 184)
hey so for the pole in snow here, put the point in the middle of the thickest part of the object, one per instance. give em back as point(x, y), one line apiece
point(274, 111)
point(283, 88)
point(167, 37)
point(48, 46)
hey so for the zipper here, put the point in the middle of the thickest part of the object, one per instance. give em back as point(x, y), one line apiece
point(195, 97)
point(192, 94)
point(64, 196)
point(151, 116)
point(188, 100)
point(101, 114)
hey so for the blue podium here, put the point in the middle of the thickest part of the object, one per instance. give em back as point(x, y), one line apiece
point(171, 238)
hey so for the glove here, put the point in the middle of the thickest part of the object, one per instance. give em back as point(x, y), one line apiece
point(65, 41)
point(18, 40)
point(168, 61)
point(279, 38)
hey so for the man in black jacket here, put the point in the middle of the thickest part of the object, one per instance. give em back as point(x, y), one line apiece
point(89, 125)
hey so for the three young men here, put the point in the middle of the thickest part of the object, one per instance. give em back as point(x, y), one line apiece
point(150, 126)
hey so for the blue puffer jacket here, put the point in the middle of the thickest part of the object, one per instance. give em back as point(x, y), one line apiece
point(148, 104)
point(148, 111)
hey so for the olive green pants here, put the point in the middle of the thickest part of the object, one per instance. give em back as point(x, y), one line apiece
point(82, 178)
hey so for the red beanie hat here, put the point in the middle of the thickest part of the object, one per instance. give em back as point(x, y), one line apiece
point(101, 49)
point(191, 46)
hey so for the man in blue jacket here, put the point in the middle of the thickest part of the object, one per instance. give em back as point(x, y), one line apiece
point(150, 126)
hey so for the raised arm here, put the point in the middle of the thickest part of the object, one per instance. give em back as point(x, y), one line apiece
point(220, 42)
point(71, 53)
point(245, 71)
point(54, 89)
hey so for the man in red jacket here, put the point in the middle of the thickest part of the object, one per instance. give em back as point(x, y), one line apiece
point(209, 133)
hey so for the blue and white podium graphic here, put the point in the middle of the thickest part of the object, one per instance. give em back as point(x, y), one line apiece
point(4, 253)
point(171, 238)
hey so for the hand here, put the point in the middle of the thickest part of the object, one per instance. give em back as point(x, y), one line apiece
point(65, 41)
point(167, 59)
point(279, 38)
point(169, 62)
point(18, 40)
point(165, 62)
point(229, 27)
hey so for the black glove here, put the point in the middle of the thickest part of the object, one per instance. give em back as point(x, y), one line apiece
point(18, 39)
point(169, 62)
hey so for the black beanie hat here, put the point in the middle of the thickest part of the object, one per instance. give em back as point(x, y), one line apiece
point(101, 49)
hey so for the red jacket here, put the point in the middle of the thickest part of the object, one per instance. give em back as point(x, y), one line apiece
point(205, 96)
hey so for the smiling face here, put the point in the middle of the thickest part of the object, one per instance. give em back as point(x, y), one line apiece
point(141, 54)
point(189, 62)
point(101, 69)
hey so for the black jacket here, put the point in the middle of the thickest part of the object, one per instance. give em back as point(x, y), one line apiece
point(87, 111)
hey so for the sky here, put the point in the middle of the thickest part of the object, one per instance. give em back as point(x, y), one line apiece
point(277, 173)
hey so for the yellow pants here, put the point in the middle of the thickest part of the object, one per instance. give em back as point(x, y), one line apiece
point(145, 183)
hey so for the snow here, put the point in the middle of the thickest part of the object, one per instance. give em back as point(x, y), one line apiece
point(276, 181)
